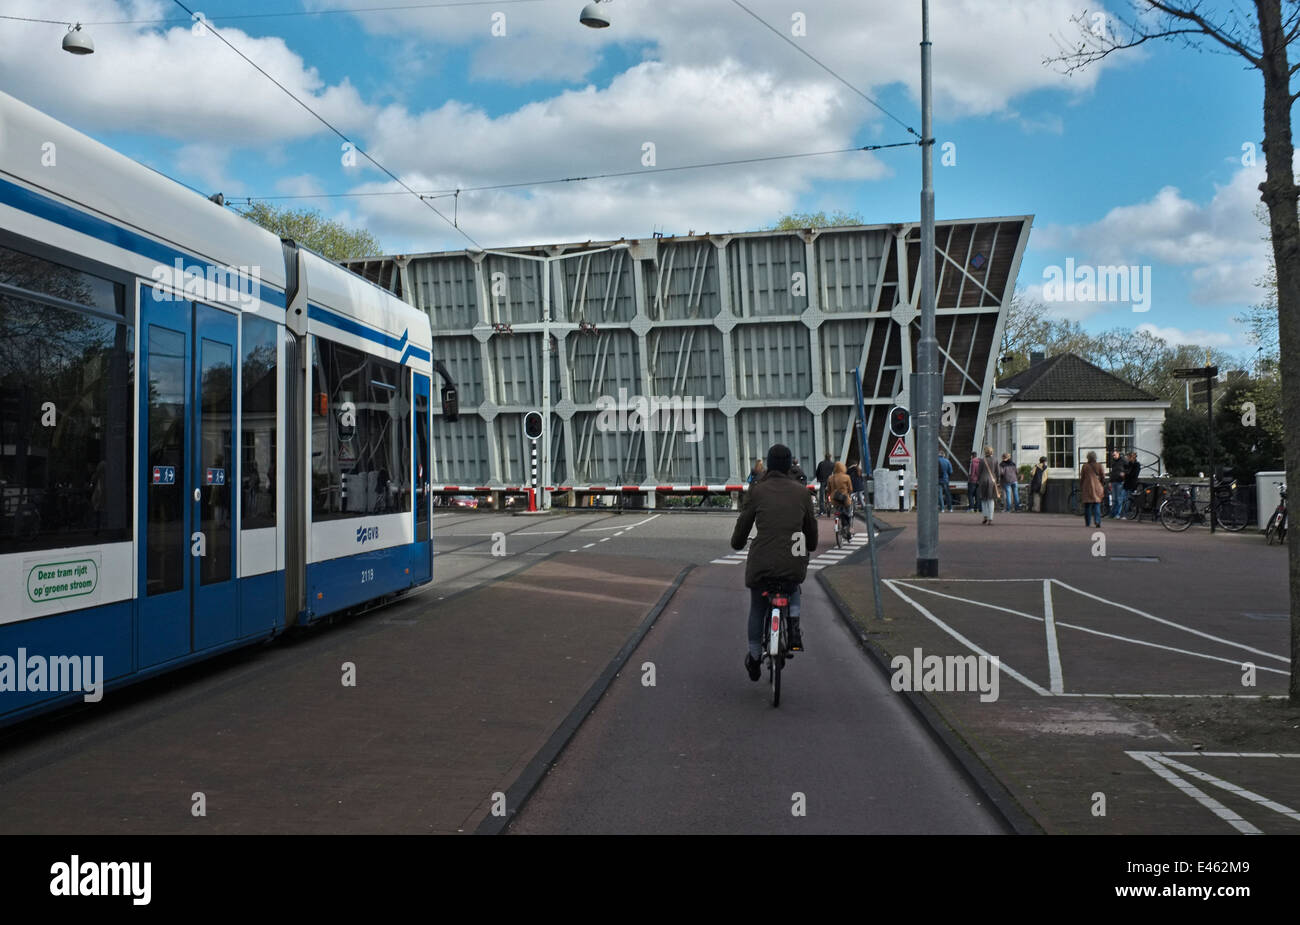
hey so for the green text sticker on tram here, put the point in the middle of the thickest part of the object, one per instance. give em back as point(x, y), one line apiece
point(52, 581)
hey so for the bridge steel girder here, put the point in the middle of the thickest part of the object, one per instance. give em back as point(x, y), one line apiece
point(757, 332)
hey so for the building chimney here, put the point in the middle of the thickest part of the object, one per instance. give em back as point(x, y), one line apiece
point(1036, 357)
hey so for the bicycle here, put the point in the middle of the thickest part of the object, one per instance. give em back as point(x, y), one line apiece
point(776, 641)
point(1181, 508)
point(843, 526)
point(1277, 522)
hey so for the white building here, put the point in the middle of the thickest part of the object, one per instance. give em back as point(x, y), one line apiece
point(1063, 406)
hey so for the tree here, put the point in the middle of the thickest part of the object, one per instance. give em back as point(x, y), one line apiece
point(1264, 44)
point(1261, 318)
point(797, 221)
point(308, 226)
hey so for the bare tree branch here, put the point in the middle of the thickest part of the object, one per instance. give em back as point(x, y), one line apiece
point(1214, 32)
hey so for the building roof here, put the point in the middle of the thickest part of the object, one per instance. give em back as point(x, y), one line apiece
point(1068, 377)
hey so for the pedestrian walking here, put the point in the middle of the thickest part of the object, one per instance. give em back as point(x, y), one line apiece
point(945, 474)
point(1132, 472)
point(756, 472)
point(1010, 478)
point(989, 491)
point(1117, 473)
point(972, 482)
point(1038, 486)
point(824, 470)
point(1092, 489)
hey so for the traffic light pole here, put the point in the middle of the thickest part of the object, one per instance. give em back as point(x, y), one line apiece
point(926, 382)
point(870, 484)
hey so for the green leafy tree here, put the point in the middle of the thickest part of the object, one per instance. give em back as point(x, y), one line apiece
point(797, 221)
point(308, 226)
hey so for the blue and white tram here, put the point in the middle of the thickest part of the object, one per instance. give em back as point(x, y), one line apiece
point(207, 434)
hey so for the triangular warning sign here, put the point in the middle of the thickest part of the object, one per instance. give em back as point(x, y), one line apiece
point(899, 452)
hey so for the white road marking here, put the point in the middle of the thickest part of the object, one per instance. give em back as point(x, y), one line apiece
point(606, 539)
point(1196, 632)
point(910, 583)
point(1230, 787)
point(1053, 651)
point(589, 545)
point(1200, 796)
point(890, 583)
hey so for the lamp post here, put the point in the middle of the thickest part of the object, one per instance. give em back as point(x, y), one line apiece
point(926, 391)
point(546, 346)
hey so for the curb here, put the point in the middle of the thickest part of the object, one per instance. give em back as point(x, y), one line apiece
point(1013, 816)
point(517, 793)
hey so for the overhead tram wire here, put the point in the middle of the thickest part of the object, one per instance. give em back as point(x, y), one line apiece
point(207, 25)
point(448, 193)
point(286, 13)
point(795, 45)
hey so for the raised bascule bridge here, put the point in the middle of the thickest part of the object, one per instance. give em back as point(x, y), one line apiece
point(734, 342)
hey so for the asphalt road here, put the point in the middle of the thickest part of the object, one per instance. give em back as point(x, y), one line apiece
point(703, 750)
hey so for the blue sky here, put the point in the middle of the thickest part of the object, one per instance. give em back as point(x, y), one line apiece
point(1136, 162)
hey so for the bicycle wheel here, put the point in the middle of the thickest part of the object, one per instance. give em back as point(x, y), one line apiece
point(838, 531)
point(1271, 528)
point(1231, 515)
point(1132, 508)
point(774, 671)
point(1176, 514)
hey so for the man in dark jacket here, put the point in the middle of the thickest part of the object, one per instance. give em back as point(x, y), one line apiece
point(972, 482)
point(1116, 484)
point(1132, 472)
point(824, 470)
point(782, 510)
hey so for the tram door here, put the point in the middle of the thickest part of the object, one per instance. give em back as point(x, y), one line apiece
point(422, 563)
point(186, 589)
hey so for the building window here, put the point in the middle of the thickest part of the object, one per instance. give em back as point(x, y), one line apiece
point(361, 434)
point(1119, 435)
point(1060, 443)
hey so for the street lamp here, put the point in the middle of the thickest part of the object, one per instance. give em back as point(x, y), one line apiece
point(77, 42)
point(927, 391)
point(592, 17)
point(546, 344)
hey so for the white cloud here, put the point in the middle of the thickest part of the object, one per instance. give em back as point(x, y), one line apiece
point(1223, 340)
point(1218, 243)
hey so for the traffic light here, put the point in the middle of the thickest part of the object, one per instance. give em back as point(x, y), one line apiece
point(900, 421)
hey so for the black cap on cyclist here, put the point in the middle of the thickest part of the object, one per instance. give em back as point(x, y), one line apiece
point(779, 457)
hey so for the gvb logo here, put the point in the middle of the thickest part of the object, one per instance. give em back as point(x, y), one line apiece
point(76, 877)
point(367, 534)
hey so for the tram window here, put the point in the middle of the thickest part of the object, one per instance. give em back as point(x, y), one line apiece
point(361, 434)
point(43, 276)
point(65, 427)
point(257, 422)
